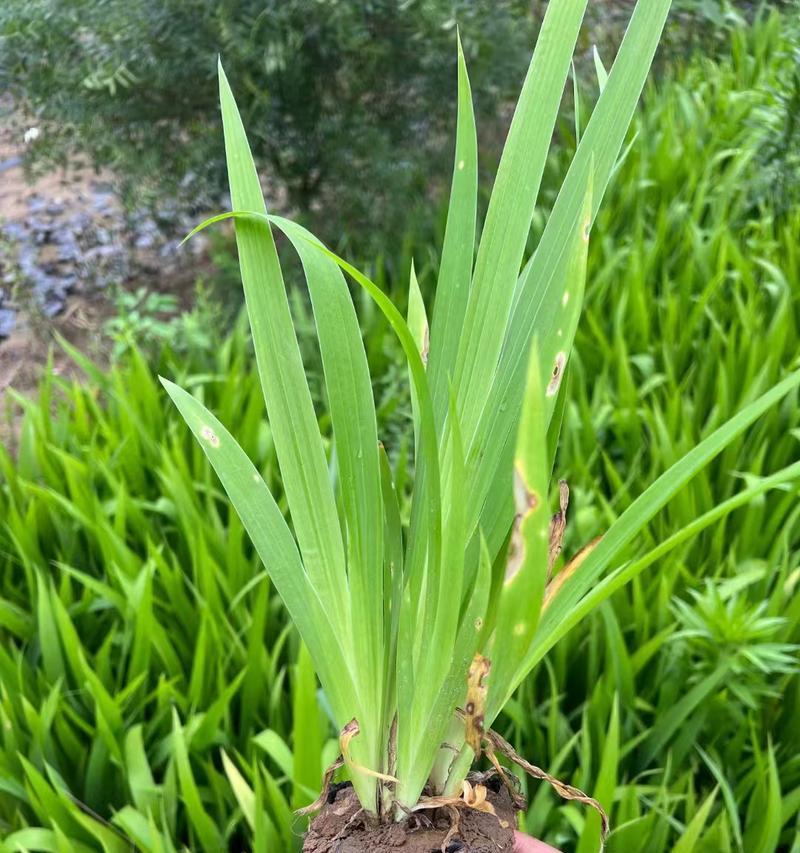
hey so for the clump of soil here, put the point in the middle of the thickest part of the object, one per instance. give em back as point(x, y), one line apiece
point(343, 827)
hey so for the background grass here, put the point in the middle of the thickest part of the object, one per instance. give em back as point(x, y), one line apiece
point(151, 688)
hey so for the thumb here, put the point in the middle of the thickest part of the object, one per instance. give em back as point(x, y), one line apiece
point(526, 844)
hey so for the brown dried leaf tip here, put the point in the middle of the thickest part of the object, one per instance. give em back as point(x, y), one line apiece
point(558, 525)
point(475, 708)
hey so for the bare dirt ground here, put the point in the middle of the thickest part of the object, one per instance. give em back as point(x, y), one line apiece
point(65, 245)
point(28, 212)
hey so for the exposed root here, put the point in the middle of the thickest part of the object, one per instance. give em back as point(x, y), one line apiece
point(567, 792)
point(404, 809)
point(455, 824)
point(415, 820)
point(482, 819)
point(420, 821)
point(472, 796)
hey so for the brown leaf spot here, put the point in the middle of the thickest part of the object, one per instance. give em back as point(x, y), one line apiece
point(476, 701)
point(525, 502)
point(557, 374)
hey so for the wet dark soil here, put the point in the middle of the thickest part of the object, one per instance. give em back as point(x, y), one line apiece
point(342, 827)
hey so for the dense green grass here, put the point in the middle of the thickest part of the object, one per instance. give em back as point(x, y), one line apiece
point(692, 307)
point(147, 674)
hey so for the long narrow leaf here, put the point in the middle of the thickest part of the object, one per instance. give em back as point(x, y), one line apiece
point(526, 569)
point(291, 413)
point(544, 280)
point(352, 411)
point(274, 542)
point(511, 207)
point(455, 270)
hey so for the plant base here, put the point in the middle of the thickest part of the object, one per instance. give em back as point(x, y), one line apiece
point(342, 827)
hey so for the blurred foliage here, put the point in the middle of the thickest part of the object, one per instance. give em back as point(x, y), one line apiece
point(150, 319)
point(350, 102)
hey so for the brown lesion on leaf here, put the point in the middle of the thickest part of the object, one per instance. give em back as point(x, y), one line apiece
point(525, 502)
point(558, 525)
point(552, 588)
point(557, 375)
point(426, 344)
point(475, 707)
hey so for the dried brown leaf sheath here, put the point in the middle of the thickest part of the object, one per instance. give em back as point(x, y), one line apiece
point(475, 707)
